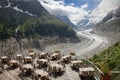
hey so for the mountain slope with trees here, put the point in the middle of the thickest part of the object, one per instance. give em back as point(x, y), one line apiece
point(29, 18)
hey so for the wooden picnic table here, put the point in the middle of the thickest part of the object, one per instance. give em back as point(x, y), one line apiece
point(42, 75)
point(43, 55)
point(27, 68)
point(19, 56)
point(14, 63)
point(87, 71)
point(66, 58)
point(32, 54)
point(56, 68)
point(27, 59)
point(77, 64)
point(55, 56)
point(4, 59)
point(42, 62)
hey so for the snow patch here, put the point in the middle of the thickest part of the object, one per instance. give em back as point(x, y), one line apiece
point(111, 19)
point(29, 13)
point(9, 4)
point(17, 9)
point(17, 29)
point(20, 10)
point(114, 16)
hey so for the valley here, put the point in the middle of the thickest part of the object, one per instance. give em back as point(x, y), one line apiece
point(80, 37)
point(90, 45)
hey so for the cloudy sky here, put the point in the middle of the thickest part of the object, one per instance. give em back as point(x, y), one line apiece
point(76, 10)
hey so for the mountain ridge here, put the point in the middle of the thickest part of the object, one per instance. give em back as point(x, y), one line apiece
point(30, 26)
point(110, 22)
point(85, 23)
point(66, 20)
point(16, 13)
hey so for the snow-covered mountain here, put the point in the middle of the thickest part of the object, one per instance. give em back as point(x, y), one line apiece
point(30, 7)
point(111, 22)
point(66, 20)
point(114, 14)
point(85, 23)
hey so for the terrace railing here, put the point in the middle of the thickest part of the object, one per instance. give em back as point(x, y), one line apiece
point(98, 72)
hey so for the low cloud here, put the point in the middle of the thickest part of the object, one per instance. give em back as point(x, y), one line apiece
point(84, 6)
point(103, 8)
point(75, 14)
